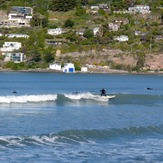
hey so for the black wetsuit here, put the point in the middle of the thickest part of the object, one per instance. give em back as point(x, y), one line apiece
point(103, 92)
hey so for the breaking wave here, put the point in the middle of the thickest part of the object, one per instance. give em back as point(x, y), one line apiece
point(65, 98)
point(86, 96)
point(80, 136)
point(27, 98)
point(49, 97)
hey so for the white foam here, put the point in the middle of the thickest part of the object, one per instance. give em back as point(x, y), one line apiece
point(28, 98)
point(78, 96)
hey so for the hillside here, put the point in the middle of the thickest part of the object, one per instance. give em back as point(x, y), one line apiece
point(100, 33)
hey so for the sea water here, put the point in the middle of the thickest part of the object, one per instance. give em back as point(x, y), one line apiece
point(61, 118)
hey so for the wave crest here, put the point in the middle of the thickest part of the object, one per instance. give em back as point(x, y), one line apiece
point(80, 136)
point(85, 96)
point(27, 98)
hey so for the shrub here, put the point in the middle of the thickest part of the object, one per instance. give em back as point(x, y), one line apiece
point(69, 23)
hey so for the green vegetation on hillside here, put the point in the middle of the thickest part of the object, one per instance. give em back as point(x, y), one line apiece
point(72, 16)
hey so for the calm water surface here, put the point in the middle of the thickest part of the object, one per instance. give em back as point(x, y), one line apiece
point(61, 118)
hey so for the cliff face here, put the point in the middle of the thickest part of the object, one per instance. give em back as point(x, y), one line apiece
point(152, 61)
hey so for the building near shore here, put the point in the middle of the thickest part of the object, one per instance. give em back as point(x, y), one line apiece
point(55, 66)
point(84, 69)
point(69, 68)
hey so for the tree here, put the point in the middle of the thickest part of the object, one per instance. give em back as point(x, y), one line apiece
point(69, 23)
point(49, 56)
point(102, 12)
point(80, 11)
point(63, 5)
point(118, 4)
point(140, 61)
point(88, 33)
point(39, 20)
point(34, 46)
point(84, 2)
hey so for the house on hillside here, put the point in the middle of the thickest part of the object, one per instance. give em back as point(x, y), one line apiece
point(15, 57)
point(8, 50)
point(104, 6)
point(96, 30)
point(158, 37)
point(80, 32)
point(17, 35)
point(113, 26)
point(56, 31)
point(121, 21)
point(54, 43)
point(10, 46)
point(121, 38)
point(69, 68)
point(143, 9)
point(94, 9)
point(20, 15)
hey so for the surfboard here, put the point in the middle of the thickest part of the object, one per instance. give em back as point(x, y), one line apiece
point(108, 96)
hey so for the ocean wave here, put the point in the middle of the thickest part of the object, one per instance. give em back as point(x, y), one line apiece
point(27, 98)
point(139, 99)
point(86, 96)
point(83, 98)
point(80, 136)
point(50, 97)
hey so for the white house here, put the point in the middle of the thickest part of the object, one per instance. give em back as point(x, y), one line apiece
point(121, 38)
point(69, 67)
point(94, 9)
point(20, 16)
point(137, 33)
point(56, 31)
point(17, 35)
point(96, 30)
point(17, 13)
point(80, 32)
point(1, 34)
point(104, 6)
point(113, 26)
point(84, 69)
point(144, 9)
point(10, 46)
point(16, 57)
point(55, 66)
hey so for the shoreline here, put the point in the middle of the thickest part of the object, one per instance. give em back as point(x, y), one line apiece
point(90, 71)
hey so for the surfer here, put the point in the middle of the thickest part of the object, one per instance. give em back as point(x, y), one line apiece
point(103, 92)
point(148, 88)
point(14, 92)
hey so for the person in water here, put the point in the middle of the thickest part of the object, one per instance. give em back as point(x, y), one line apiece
point(148, 88)
point(103, 92)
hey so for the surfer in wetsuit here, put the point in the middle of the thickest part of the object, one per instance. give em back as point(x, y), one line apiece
point(103, 92)
point(148, 88)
